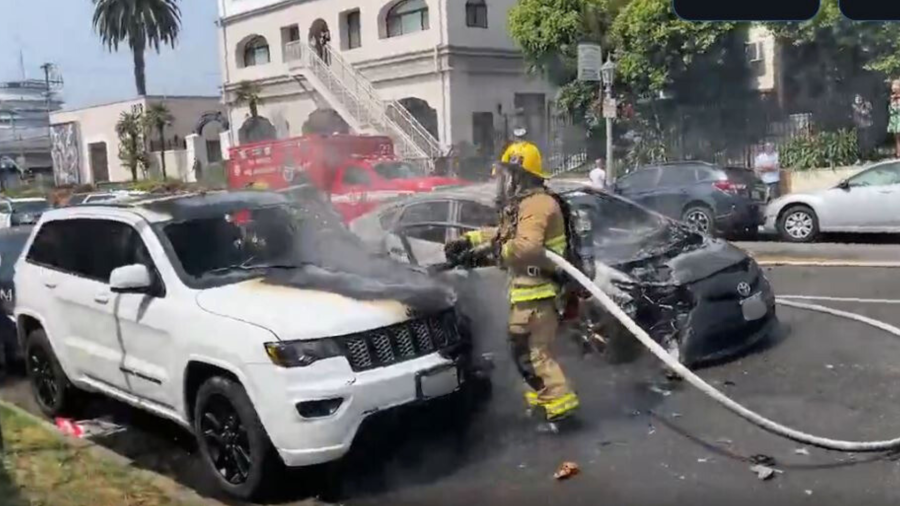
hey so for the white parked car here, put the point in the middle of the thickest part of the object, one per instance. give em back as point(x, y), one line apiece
point(868, 201)
point(23, 211)
point(250, 318)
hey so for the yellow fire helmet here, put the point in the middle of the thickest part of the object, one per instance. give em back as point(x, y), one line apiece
point(526, 155)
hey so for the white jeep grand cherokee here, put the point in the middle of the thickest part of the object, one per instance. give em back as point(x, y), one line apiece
point(252, 319)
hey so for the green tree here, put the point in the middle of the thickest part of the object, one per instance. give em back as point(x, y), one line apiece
point(248, 94)
point(140, 24)
point(157, 118)
point(130, 129)
point(655, 47)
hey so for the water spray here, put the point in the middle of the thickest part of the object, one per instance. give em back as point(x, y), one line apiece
point(749, 415)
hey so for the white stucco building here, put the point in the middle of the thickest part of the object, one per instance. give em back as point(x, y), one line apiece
point(85, 145)
point(450, 63)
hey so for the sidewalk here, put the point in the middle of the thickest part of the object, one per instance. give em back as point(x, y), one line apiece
point(779, 253)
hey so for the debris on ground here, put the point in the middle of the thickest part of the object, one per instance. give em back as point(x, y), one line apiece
point(808, 492)
point(676, 415)
point(829, 366)
point(659, 390)
point(763, 460)
point(702, 461)
point(724, 441)
point(729, 383)
point(763, 472)
point(801, 451)
point(566, 470)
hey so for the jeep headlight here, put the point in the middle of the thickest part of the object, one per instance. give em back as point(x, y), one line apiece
point(301, 353)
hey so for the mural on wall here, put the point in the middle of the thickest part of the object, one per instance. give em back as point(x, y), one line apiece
point(65, 149)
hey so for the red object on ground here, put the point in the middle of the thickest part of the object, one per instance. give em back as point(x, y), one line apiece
point(69, 427)
point(356, 171)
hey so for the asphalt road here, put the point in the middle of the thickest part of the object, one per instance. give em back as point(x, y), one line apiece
point(634, 445)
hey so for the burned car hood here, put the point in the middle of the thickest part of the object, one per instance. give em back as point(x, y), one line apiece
point(297, 313)
point(692, 258)
point(713, 256)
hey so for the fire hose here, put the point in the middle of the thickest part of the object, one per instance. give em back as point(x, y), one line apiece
point(749, 415)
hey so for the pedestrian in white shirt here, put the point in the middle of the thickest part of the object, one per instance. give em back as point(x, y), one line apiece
point(768, 170)
point(598, 175)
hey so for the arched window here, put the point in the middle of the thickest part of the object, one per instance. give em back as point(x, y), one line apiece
point(256, 52)
point(407, 16)
point(476, 14)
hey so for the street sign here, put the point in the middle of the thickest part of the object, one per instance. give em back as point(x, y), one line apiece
point(590, 59)
point(609, 108)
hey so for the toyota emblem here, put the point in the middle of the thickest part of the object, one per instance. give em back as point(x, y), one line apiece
point(743, 289)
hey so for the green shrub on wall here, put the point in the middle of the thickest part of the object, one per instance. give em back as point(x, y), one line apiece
point(823, 149)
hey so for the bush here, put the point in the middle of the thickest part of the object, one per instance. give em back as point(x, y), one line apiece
point(823, 149)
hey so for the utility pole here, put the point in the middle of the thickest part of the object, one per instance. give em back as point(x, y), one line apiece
point(47, 67)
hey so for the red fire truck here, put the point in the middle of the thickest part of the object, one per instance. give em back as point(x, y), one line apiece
point(357, 172)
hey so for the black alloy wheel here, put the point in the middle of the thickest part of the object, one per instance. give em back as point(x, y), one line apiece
point(43, 380)
point(226, 440)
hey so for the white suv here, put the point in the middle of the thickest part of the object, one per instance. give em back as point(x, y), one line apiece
point(249, 318)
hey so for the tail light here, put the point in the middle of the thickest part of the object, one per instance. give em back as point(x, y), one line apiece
point(729, 187)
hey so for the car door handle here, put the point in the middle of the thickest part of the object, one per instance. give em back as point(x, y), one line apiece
point(886, 192)
point(50, 284)
point(101, 298)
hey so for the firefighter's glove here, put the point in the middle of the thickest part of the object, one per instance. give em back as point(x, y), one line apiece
point(457, 250)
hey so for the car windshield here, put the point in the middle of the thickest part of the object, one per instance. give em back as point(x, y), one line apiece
point(624, 231)
point(249, 241)
point(396, 170)
point(30, 206)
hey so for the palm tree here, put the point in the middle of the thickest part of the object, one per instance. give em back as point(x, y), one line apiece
point(131, 147)
point(248, 93)
point(140, 23)
point(158, 117)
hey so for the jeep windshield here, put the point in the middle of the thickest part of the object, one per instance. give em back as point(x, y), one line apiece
point(246, 242)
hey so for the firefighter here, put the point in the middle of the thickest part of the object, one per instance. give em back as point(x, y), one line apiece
point(531, 220)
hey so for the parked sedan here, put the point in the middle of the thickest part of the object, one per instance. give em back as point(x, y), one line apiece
point(23, 211)
point(699, 295)
point(710, 198)
point(866, 202)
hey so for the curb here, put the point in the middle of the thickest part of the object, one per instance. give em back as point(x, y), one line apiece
point(816, 262)
point(169, 486)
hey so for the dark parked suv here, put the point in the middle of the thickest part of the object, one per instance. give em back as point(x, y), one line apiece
point(713, 199)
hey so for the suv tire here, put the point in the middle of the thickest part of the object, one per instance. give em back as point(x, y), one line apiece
point(700, 218)
point(233, 442)
point(798, 223)
point(54, 393)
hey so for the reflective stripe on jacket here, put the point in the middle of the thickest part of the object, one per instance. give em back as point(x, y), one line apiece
point(539, 224)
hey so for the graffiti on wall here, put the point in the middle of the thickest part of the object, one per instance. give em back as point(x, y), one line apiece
point(65, 148)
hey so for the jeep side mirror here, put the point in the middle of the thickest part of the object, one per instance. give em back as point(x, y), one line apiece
point(844, 185)
point(134, 278)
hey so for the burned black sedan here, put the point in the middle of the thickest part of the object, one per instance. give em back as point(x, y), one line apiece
point(699, 296)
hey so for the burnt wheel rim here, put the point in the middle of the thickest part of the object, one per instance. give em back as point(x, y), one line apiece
point(43, 379)
point(698, 220)
point(798, 224)
point(226, 440)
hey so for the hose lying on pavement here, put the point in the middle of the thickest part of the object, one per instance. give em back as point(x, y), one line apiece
point(693, 379)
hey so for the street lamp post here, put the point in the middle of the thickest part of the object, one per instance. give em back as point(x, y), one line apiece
point(608, 75)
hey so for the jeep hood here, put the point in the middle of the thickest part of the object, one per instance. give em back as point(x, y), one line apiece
point(295, 313)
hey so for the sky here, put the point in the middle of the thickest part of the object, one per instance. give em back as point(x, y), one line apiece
point(60, 31)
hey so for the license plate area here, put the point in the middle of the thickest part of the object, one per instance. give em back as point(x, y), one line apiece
point(753, 307)
point(437, 382)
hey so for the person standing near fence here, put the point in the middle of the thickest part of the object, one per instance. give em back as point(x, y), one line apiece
point(597, 175)
point(767, 168)
point(894, 115)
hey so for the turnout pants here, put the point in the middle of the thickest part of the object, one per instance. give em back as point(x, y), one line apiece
point(532, 330)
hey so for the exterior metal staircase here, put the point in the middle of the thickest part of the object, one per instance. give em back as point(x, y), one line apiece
point(352, 96)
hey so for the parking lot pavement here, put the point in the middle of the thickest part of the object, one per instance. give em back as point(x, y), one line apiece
point(634, 445)
point(825, 253)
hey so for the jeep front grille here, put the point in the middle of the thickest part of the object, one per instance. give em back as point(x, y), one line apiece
point(400, 342)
